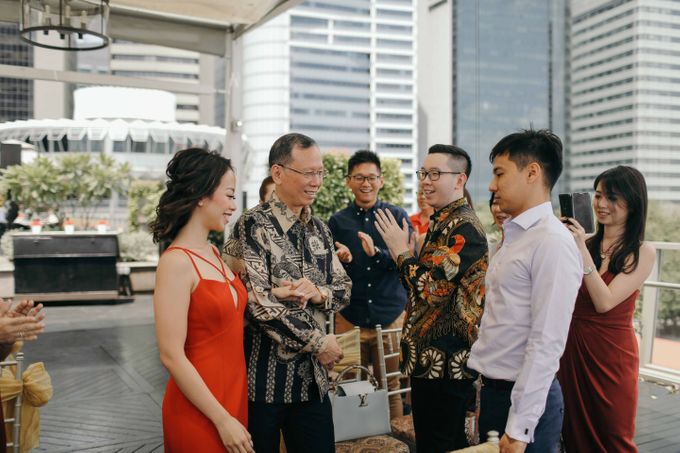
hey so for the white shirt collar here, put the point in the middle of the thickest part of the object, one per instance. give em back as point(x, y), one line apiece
point(531, 216)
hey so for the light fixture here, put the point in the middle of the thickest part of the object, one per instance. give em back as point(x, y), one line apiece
point(76, 24)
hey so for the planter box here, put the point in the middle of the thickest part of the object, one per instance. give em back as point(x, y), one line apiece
point(57, 266)
point(142, 274)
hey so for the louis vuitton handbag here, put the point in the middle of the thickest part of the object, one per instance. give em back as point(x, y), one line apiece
point(360, 408)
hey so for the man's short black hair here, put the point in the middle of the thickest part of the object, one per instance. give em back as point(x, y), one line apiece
point(363, 156)
point(527, 146)
point(281, 150)
point(457, 153)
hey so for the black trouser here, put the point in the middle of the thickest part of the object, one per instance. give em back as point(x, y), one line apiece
point(307, 427)
point(439, 408)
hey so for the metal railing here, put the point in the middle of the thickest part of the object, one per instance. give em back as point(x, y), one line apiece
point(648, 317)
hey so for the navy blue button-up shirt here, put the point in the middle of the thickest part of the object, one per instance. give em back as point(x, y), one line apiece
point(378, 297)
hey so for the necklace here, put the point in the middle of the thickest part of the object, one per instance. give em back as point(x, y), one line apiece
point(605, 253)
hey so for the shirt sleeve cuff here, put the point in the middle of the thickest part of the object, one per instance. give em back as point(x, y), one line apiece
point(519, 428)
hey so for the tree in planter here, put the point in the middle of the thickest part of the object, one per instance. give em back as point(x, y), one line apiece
point(143, 196)
point(70, 185)
point(334, 194)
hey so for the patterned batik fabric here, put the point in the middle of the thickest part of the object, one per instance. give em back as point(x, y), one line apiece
point(445, 285)
point(270, 244)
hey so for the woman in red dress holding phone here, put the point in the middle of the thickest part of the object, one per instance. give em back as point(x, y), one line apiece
point(599, 369)
point(198, 306)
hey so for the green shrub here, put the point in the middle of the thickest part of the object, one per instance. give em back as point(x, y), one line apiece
point(334, 195)
point(137, 246)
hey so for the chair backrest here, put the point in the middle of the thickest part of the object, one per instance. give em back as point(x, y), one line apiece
point(392, 338)
point(350, 342)
point(15, 421)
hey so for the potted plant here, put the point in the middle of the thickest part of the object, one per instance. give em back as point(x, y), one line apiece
point(102, 226)
point(69, 226)
point(36, 226)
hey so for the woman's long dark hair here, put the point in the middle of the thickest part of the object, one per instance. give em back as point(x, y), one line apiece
point(629, 184)
point(193, 174)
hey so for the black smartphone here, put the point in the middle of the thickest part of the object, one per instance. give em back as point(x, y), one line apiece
point(578, 206)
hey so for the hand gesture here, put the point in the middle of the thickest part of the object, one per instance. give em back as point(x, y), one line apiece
point(27, 308)
point(234, 436)
point(306, 289)
point(332, 354)
point(344, 255)
point(577, 231)
point(396, 238)
point(286, 292)
point(367, 243)
point(510, 445)
point(14, 325)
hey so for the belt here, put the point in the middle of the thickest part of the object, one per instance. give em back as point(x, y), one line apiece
point(500, 384)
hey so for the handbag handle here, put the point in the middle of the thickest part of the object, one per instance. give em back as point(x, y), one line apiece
point(371, 378)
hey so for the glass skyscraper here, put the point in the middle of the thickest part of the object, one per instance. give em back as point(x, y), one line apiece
point(505, 66)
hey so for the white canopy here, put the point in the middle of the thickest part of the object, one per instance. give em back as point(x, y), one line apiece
point(198, 25)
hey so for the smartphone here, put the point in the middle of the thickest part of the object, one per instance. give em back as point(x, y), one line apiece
point(578, 206)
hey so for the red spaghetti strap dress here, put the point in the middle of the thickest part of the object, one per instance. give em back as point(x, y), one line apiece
point(599, 377)
point(214, 346)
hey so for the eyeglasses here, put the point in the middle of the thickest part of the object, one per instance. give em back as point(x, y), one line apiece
point(307, 174)
point(434, 174)
point(361, 178)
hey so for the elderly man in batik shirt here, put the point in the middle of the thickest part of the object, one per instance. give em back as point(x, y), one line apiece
point(287, 261)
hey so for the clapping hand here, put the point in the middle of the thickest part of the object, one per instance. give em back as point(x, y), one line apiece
point(344, 255)
point(21, 322)
point(396, 238)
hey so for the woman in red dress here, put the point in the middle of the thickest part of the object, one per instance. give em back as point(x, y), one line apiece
point(599, 369)
point(198, 306)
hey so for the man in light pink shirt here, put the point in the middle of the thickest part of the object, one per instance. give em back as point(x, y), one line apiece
point(531, 287)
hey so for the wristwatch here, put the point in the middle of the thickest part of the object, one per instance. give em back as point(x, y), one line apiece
point(587, 270)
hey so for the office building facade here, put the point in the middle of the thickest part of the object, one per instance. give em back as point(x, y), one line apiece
point(342, 72)
point(625, 95)
point(16, 95)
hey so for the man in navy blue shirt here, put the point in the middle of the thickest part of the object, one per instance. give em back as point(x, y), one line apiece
point(378, 297)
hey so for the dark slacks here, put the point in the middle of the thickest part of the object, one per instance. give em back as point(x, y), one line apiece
point(307, 427)
point(493, 415)
point(439, 408)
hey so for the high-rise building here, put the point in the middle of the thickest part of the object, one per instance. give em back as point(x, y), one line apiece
point(16, 95)
point(486, 69)
point(625, 91)
point(132, 59)
point(342, 72)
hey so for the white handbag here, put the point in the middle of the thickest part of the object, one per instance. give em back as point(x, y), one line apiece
point(360, 409)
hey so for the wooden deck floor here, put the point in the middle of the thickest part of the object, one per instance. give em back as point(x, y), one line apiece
point(108, 387)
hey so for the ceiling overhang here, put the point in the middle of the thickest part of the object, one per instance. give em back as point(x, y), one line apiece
point(198, 25)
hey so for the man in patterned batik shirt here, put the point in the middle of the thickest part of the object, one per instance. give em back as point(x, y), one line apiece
point(286, 259)
point(445, 285)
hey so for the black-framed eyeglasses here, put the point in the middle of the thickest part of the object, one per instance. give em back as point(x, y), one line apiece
point(361, 178)
point(307, 174)
point(434, 174)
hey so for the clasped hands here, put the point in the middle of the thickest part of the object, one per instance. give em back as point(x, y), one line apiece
point(301, 290)
point(21, 322)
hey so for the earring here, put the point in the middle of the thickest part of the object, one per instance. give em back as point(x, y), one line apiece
point(200, 204)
